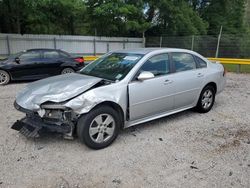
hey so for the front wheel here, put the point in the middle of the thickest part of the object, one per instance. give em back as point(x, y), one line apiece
point(206, 100)
point(99, 128)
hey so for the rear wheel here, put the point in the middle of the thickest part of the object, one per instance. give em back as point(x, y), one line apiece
point(99, 128)
point(67, 70)
point(4, 77)
point(206, 100)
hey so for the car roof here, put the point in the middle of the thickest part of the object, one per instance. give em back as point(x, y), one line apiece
point(41, 49)
point(145, 51)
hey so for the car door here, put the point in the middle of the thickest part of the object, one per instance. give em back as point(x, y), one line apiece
point(188, 79)
point(51, 62)
point(27, 65)
point(155, 95)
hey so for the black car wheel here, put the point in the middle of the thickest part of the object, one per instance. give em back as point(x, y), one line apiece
point(4, 77)
point(206, 100)
point(67, 70)
point(99, 128)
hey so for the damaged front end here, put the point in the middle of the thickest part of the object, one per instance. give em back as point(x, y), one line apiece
point(52, 118)
point(42, 102)
point(55, 104)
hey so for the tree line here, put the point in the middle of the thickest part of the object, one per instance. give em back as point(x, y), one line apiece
point(131, 18)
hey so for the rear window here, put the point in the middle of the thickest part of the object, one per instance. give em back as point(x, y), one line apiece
point(201, 63)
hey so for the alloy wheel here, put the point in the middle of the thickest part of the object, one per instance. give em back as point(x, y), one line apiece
point(207, 99)
point(102, 128)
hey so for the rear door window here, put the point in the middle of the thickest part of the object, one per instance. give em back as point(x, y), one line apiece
point(183, 61)
point(50, 54)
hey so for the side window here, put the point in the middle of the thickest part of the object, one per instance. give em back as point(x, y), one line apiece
point(183, 61)
point(29, 55)
point(201, 63)
point(50, 54)
point(158, 65)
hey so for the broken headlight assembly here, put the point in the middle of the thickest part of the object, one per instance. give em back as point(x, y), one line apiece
point(56, 111)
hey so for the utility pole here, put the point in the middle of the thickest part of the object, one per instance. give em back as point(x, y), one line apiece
point(218, 43)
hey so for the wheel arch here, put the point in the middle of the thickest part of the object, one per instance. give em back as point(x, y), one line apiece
point(213, 84)
point(116, 107)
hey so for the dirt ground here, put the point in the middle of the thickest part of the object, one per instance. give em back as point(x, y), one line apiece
point(183, 150)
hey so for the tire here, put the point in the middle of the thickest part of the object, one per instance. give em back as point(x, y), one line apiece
point(206, 99)
point(67, 70)
point(94, 132)
point(4, 77)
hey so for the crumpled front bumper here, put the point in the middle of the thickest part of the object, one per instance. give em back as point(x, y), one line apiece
point(33, 125)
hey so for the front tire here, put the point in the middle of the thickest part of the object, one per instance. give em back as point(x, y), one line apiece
point(99, 128)
point(206, 100)
point(4, 77)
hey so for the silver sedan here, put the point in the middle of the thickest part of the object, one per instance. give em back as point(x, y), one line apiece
point(119, 90)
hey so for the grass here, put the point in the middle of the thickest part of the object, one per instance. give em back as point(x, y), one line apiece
point(233, 68)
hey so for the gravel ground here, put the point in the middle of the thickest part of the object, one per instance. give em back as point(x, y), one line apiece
point(183, 150)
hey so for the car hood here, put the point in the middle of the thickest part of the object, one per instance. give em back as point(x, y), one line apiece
point(54, 89)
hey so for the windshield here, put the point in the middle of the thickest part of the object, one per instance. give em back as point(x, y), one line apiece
point(114, 66)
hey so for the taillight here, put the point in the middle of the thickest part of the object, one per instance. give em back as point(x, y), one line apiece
point(79, 60)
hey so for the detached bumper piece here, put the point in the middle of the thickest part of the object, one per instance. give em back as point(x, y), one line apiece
point(26, 129)
point(32, 127)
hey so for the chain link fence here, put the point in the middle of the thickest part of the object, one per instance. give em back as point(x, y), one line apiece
point(229, 46)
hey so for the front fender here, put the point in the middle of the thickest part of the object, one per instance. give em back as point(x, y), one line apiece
point(111, 93)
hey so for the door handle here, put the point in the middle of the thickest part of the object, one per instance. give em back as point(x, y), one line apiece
point(200, 75)
point(166, 82)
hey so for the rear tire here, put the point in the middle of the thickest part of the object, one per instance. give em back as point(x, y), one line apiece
point(99, 127)
point(67, 70)
point(4, 77)
point(206, 100)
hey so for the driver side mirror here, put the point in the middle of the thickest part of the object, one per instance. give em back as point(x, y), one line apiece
point(145, 75)
point(17, 60)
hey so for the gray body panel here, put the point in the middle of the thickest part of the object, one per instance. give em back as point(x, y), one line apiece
point(147, 100)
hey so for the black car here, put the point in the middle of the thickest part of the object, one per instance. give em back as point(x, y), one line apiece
point(36, 64)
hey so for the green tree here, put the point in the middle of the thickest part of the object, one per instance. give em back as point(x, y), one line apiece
point(174, 18)
point(63, 15)
point(116, 17)
point(226, 13)
point(13, 15)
